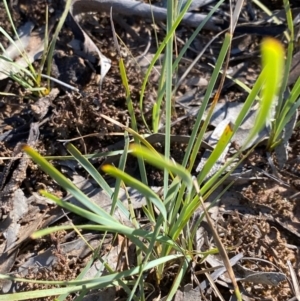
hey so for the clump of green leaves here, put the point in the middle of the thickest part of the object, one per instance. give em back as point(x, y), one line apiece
point(24, 72)
point(171, 237)
point(287, 101)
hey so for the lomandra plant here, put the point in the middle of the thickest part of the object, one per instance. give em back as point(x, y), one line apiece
point(287, 102)
point(169, 214)
point(24, 72)
point(170, 237)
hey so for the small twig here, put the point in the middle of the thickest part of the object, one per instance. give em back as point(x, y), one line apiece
point(220, 246)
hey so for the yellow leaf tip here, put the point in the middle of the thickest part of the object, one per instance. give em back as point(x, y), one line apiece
point(106, 167)
point(132, 146)
point(25, 147)
point(272, 44)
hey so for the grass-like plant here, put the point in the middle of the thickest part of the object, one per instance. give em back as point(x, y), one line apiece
point(171, 237)
point(288, 102)
point(24, 72)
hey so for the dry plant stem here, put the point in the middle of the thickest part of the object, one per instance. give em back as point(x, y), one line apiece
point(220, 247)
point(212, 283)
point(134, 8)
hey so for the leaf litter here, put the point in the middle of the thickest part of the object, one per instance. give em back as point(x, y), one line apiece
point(257, 215)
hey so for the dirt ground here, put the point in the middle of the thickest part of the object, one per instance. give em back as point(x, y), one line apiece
point(259, 218)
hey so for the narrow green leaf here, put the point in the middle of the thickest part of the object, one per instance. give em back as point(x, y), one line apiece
point(291, 105)
point(99, 219)
point(78, 285)
point(194, 145)
point(162, 163)
point(168, 36)
point(139, 186)
point(86, 164)
point(65, 183)
point(273, 65)
point(216, 153)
